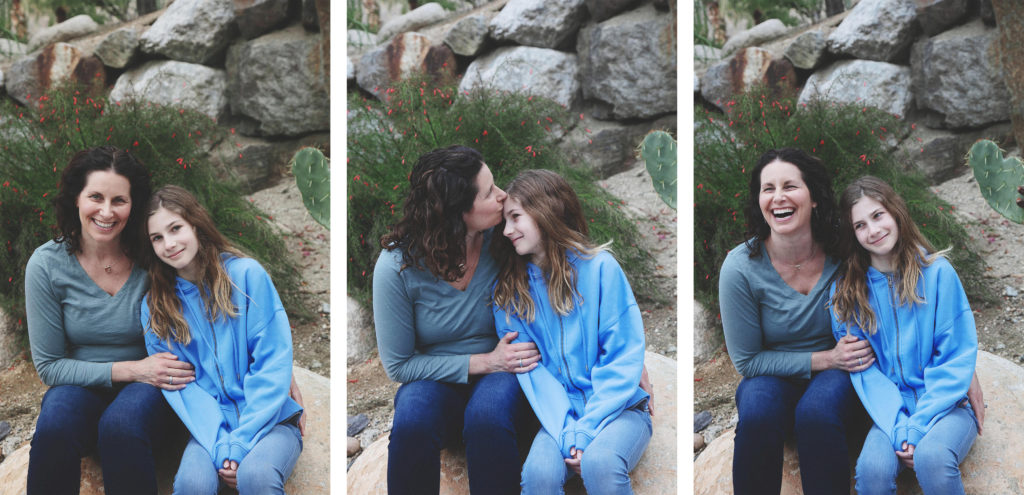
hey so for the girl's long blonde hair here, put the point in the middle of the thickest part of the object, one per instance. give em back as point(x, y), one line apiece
point(555, 208)
point(165, 317)
point(912, 252)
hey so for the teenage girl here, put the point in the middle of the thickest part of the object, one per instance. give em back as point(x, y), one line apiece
point(218, 310)
point(571, 298)
point(907, 301)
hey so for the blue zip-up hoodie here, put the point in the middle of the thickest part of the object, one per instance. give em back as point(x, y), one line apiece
point(243, 365)
point(592, 358)
point(925, 353)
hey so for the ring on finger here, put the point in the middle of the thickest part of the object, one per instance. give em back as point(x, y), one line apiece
point(170, 380)
point(861, 361)
point(521, 363)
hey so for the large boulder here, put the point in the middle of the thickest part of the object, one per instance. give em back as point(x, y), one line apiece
point(28, 78)
point(992, 466)
point(875, 30)
point(540, 72)
point(118, 48)
point(939, 154)
point(739, 73)
point(605, 9)
point(964, 98)
point(178, 84)
point(254, 164)
point(766, 31)
point(195, 31)
point(468, 35)
point(655, 474)
point(421, 16)
point(539, 23)
point(75, 27)
point(11, 50)
point(280, 80)
point(259, 17)
point(608, 147)
point(404, 55)
point(629, 62)
point(807, 50)
point(868, 83)
point(310, 476)
point(935, 16)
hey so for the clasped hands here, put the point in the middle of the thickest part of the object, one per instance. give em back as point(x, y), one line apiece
point(852, 354)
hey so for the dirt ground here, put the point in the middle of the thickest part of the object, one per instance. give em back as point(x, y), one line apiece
point(370, 391)
point(21, 391)
point(1000, 325)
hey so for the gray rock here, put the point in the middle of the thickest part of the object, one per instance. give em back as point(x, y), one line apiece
point(707, 338)
point(540, 72)
point(10, 340)
point(75, 27)
point(195, 31)
point(807, 50)
point(601, 10)
point(745, 69)
point(10, 49)
point(875, 30)
point(119, 47)
point(350, 70)
point(359, 41)
point(629, 62)
point(31, 76)
point(965, 98)
point(698, 442)
point(935, 16)
point(360, 336)
point(701, 420)
point(423, 15)
point(280, 80)
point(766, 31)
point(259, 17)
point(939, 154)
point(986, 13)
point(609, 147)
point(1009, 291)
point(353, 446)
point(356, 424)
point(538, 23)
point(310, 17)
point(178, 84)
point(405, 54)
point(468, 35)
point(253, 164)
point(5, 429)
point(869, 83)
point(704, 55)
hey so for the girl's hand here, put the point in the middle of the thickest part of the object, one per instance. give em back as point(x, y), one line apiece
point(163, 370)
point(977, 400)
point(574, 461)
point(852, 354)
point(296, 395)
point(229, 474)
point(906, 455)
point(647, 386)
point(515, 358)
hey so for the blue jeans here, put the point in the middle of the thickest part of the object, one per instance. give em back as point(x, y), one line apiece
point(937, 457)
point(606, 462)
point(264, 470)
point(125, 425)
point(820, 411)
point(430, 415)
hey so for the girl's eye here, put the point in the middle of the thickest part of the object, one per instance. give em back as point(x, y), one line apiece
point(857, 226)
point(175, 228)
point(155, 238)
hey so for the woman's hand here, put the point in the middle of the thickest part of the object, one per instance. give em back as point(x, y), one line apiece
point(296, 395)
point(647, 386)
point(162, 370)
point(519, 357)
point(229, 474)
point(574, 461)
point(906, 455)
point(852, 354)
point(977, 401)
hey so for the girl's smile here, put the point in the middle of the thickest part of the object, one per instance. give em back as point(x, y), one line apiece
point(522, 230)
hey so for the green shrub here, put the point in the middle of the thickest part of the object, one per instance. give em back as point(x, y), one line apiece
point(850, 140)
point(513, 132)
point(36, 144)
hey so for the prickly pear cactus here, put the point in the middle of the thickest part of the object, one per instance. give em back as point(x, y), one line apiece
point(658, 150)
point(998, 178)
point(313, 176)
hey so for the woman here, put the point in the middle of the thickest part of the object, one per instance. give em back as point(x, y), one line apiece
point(82, 295)
point(435, 331)
point(217, 309)
point(903, 296)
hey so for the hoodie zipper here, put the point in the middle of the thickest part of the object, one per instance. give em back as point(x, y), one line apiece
point(216, 363)
point(568, 374)
point(899, 362)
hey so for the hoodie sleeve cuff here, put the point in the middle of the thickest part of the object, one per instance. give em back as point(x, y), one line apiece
point(237, 453)
point(900, 436)
point(582, 441)
point(914, 436)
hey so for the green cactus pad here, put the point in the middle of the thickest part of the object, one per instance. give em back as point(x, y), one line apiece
point(998, 178)
point(658, 150)
point(313, 176)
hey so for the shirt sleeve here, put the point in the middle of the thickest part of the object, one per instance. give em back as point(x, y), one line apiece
point(744, 336)
point(620, 362)
point(954, 354)
point(266, 383)
point(47, 338)
point(395, 322)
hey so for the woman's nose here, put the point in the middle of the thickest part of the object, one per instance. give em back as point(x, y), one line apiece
point(501, 194)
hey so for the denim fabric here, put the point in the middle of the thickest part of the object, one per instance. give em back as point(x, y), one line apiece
point(124, 425)
point(430, 415)
point(936, 459)
point(263, 471)
point(606, 462)
point(820, 411)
